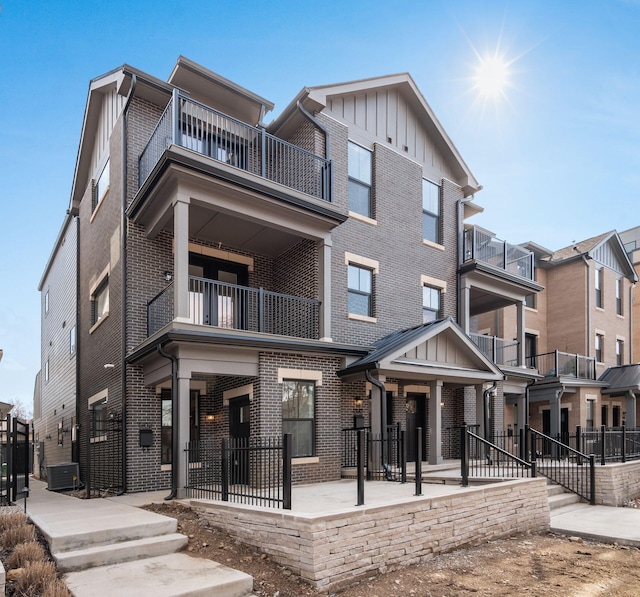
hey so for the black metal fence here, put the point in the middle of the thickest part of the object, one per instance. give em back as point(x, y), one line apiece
point(254, 471)
point(105, 463)
point(616, 444)
point(16, 450)
point(383, 455)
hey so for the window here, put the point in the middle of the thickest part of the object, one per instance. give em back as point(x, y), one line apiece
point(166, 424)
point(360, 283)
point(619, 351)
point(430, 303)
point(530, 349)
point(46, 370)
point(46, 302)
point(100, 301)
point(590, 411)
point(604, 411)
point(360, 180)
point(619, 296)
point(599, 347)
point(430, 211)
point(298, 415)
point(72, 340)
point(99, 419)
point(101, 186)
point(531, 300)
point(60, 434)
point(599, 287)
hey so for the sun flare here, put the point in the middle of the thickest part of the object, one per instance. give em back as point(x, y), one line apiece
point(492, 76)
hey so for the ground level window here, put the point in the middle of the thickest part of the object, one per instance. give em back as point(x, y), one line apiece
point(166, 427)
point(298, 415)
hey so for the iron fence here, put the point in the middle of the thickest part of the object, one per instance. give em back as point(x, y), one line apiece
point(105, 454)
point(209, 132)
point(349, 457)
point(384, 454)
point(254, 471)
point(614, 444)
point(16, 452)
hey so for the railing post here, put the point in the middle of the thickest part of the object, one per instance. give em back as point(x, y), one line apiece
point(418, 461)
point(592, 476)
point(286, 471)
point(527, 443)
point(261, 309)
point(263, 151)
point(175, 117)
point(403, 456)
point(225, 469)
point(555, 353)
point(494, 350)
point(464, 455)
point(360, 456)
point(624, 443)
point(603, 450)
point(579, 444)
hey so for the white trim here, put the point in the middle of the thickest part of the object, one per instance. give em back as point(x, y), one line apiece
point(100, 278)
point(353, 259)
point(621, 338)
point(433, 245)
point(600, 332)
point(236, 393)
point(357, 317)
point(305, 460)
point(300, 374)
point(361, 218)
point(99, 397)
point(433, 282)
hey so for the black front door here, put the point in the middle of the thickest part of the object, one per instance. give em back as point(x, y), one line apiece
point(415, 418)
point(240, 432)
point(219, 293)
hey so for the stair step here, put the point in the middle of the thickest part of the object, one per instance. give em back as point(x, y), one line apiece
point(114, 553)
point(565, 499)
point(176, 575)
point(554, 490)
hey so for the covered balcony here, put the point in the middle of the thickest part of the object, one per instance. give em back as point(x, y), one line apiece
point(563, 364)
point(501, 351)
point(219, 137)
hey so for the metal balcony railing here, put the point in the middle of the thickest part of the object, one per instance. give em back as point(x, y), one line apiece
point(499, 350)
point(206, 131)
point(236, 307)
point(563, 364)
point(482, 245)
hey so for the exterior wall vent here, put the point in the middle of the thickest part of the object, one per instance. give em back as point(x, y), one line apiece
point(64, 475)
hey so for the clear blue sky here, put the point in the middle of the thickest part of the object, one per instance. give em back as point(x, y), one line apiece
point(558, 157)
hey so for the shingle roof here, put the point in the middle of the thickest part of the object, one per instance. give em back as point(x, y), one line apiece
point(579, 248)
point(621, 379)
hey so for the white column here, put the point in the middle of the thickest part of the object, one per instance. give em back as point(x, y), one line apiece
point(479, 410)
point(324, 288)
point(435, 422)
point(630, 420)
point(182, 432)
point(520, 323)
point(181, 258)
point(465, 306)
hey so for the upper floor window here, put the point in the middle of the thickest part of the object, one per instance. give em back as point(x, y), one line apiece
point(46, 302)
point(599, 348)
point(298, 415)
point(619, 296)
point(531, 300)
point(619, 351)
point(360, 180)
point(72, 340)
point(430, 303)
point(430, 211)
point(46, 370)
point(360, 286)
point(598, 282)
point(101, 185)
point(100, 301)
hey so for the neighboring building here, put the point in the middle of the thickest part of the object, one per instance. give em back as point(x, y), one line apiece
point(631, 241)
point(54, 413)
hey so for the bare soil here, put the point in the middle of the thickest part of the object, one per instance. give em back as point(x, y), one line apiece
point(531, 565)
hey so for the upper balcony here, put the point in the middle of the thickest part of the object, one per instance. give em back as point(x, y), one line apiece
point(216, 136)
point(480, 245)
point(563, 364)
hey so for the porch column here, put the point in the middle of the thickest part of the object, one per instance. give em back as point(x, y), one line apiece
point(435, 422)
point(479, 410)
point(554, 415)
point(523, 415)
point(181, 258)
point(181, 434)
point(470, 405)
point(324, 288)
point(465, 305)
point(520, 324)
point(630, 419)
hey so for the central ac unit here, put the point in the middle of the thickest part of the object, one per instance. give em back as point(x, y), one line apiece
point(65, 475)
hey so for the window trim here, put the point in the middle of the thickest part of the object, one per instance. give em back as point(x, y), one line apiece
point(99, 399)
point(46, 302)
point(438, 217)
point(357, 291)
point(360, 182)
point(47, 370)
point(619, 306)
point(101, 282)
point(599, 278)
point(97, 194)
point(313, 420)
point(599, 347)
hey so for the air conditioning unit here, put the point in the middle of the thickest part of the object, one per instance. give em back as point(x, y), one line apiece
point(65, 475)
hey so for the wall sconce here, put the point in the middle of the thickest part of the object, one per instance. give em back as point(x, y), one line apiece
point(167, 276)
point(357, 402)
point(210, 418)
point(442, 405)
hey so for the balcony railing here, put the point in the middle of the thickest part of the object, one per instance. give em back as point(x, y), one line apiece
point(195, 126)
point(236, 307)
point(481, 245)
point(563, 364)
point(499, 350)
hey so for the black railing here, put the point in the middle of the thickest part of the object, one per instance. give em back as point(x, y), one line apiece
point(15, 446)
point(563, 364)
point(209, 132)
point(105, 467)
point(254, 471)
point(563, 465)
point(349, 446)
point(236, 307)
point(481, 458)
point(615, 444)
point(385, 454)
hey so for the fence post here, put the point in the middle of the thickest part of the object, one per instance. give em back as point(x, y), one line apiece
point(360, 439)
point(225, 469)
point(521, 447)
point(534, 469)
point(263, 151)
point(464, 455)
point(403, 456)
point(592, 475)
point(603, 450)
point(579, 444)
point(261, 309)
point(418, 461)
point(624, 443)
point(286, 471)
point(175, 116)
point(527, 443)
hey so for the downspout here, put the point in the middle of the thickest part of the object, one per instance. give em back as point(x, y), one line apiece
point(123, 293)
point(485, 408)
point(327, 143)
point(175, 452)
point(383, 416)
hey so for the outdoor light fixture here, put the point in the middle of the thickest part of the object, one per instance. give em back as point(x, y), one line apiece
point(210, 418)
point(357, 402)
point(167, 276)
point(109, 366)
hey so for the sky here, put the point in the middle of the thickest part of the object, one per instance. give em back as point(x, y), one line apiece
point(557, 151)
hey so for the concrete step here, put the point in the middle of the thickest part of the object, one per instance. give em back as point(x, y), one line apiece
point(554, 490)
point(562, 500)
point(114, 553)
point(176, 575)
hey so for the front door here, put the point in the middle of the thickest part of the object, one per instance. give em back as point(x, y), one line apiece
point(216, 295)
point(416, 418)
point(240, 432)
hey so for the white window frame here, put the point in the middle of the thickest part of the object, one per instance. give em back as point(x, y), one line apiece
point(428, 184)
point(362, 180)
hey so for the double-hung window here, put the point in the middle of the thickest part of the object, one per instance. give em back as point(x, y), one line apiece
point(101, 185)
point(360, 180)
point(360, 284)
point(298, 415)
point(619, 351)
point(598, 283)
point(100, 301)
point(619, 296)
point(599, 348)
point(431, 211)
point(430, 303)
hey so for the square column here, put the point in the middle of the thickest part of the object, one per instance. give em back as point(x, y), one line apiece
point(324, 288)
point(630, 419)
point(435, 422)
point(181, 258)
point(465, 306)
point(181, 434)
point(520, 325)
point(480, 408)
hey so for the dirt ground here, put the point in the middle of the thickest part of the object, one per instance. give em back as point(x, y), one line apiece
point(531, 565)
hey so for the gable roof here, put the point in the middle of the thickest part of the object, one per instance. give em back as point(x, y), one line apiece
point(316, 99)
point(436, 349)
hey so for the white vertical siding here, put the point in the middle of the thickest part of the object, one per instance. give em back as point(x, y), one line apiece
point(112, 104)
